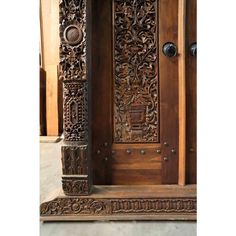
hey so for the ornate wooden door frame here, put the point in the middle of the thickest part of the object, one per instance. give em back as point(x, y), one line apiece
point(106, 202)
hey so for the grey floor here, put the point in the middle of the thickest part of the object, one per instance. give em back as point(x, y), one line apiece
point(50, 177)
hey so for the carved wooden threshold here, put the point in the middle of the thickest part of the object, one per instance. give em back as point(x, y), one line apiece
point(162, 202)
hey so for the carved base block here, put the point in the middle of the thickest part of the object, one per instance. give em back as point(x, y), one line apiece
point(76, 185)
point(76, 180)
point(121, 203)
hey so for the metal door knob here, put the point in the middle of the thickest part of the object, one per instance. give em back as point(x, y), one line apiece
point(169, 49)
point(193, 49)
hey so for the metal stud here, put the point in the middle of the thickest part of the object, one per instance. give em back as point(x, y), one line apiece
point(128, 151)
point(98, 151)
point(142, 152)
point(105, 144)
point(165, 158)
point(173, 150)
point(158, 151)
point(113, 152)
point(166, 144)
point(105, 158)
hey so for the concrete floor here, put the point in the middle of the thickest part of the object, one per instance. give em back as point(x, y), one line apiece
point(50, 179)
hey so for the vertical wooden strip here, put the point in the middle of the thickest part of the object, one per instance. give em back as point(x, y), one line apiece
point(182, 91)
point(101, 43)
point(168, 72)
point(191, 96)
point(50, 60)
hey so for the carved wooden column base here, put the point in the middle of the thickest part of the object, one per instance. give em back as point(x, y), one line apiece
point(166, 202)
point(76, 185)
point(75, 168)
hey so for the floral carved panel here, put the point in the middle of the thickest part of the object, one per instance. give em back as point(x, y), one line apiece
point(73, 69)
point(136, 103)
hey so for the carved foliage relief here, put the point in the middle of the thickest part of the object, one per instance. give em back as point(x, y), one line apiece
point(73, 69)
point(75, 186)
point(73, 39)
point(90, 206)
point(135, 71)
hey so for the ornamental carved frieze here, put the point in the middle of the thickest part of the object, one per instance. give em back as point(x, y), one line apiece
point(75, 160)
point(136, 104)
point(75, 185)
point(74, 206)
point(97, 207)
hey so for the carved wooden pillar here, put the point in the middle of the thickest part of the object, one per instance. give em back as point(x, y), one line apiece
point(76, 179)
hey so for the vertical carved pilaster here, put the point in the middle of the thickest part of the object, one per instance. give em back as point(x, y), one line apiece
point(76, 178)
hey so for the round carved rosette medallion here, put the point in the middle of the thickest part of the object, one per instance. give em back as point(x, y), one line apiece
point(73, 34)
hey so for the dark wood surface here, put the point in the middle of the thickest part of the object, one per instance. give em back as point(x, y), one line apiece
point(101, 90)
point(169, 90)
point(137, 154)
point(191, 86)
point(42, 105)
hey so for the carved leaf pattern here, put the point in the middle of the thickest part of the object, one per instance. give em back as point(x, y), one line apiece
point(136, 75)
point(90, 206)
point(73, 58)
point(75, 186)
point(73, 70)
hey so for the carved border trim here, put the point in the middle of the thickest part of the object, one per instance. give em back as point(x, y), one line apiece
point(63, 206)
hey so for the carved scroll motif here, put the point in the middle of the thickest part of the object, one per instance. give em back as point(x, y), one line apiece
point(96, 207)
point(75, 186)
point(73, 40)
point(136, 71)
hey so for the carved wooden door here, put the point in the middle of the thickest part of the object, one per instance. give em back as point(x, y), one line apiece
point(134, 91)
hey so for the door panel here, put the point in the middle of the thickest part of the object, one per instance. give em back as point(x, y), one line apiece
point(191, 96)
point(134, 92)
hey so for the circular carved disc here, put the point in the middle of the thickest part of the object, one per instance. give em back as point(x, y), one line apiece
point(73, 34)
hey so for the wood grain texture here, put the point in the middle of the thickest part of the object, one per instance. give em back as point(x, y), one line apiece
point(168, 24)
point(49, 12)
point(182, 91)
point(43, 121)
point(101, 46)
point(191, 89)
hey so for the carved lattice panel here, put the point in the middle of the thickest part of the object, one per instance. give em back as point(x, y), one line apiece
point(135, 58)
